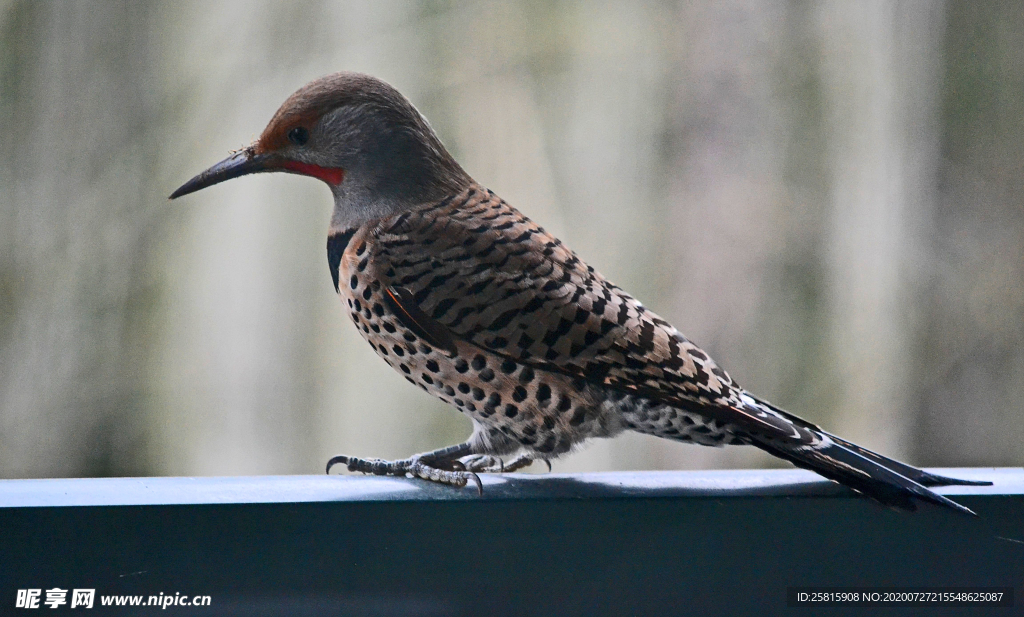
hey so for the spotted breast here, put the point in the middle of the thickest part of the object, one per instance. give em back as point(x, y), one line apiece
point(476, 304)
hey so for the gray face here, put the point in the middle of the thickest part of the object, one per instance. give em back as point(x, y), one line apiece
point(391, 161)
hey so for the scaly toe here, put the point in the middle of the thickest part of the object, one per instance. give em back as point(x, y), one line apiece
point(458, 479)
point(375, 466)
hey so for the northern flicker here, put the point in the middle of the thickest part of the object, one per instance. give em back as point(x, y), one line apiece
point(476, 304)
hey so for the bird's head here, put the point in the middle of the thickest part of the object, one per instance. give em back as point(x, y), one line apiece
point(360, 136)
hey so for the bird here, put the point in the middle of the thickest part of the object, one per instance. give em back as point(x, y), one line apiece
point(476, 304)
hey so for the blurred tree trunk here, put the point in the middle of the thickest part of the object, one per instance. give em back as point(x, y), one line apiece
point(806, 152)
point(746, 193)
point(970, 378)
point(881, 70)
point(76, 212)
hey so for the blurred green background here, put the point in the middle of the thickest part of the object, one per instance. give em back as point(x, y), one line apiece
point(827, 196)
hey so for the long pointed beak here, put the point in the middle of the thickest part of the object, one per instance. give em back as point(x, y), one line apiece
point(238, 164)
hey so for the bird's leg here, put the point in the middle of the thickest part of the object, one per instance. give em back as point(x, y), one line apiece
point(441, 465)
point(485, 463)
point(524, 460)
point(482, 463)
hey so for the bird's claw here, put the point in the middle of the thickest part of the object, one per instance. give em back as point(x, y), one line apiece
point(336, 460)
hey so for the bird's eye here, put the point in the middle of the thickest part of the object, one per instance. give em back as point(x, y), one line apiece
point(298, 136)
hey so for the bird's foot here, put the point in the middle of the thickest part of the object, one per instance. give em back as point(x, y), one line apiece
point(441, 466)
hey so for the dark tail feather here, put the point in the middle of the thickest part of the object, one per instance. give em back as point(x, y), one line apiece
point(911, 473)
point(867, 474)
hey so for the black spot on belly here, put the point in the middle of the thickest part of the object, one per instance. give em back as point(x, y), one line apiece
point(479, 362)
point(547, 445)
point(486, 375)
point(578, 417)
point(519, 394)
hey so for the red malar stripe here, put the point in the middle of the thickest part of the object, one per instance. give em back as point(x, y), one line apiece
point(330, 175)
